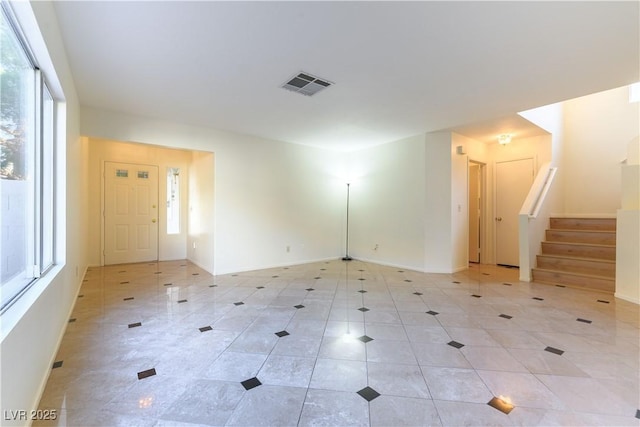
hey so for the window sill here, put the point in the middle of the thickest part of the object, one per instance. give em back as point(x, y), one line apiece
point(12, 316)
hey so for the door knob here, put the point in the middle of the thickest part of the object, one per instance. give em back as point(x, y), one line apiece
point(153, 220)
point(499, 218)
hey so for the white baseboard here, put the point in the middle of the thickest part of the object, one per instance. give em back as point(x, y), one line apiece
point(623, 297)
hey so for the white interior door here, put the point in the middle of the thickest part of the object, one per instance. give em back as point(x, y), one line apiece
point(513, 182)
point(130, 213)
point(474, 212)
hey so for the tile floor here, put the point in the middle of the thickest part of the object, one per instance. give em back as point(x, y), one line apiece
point(342, 344)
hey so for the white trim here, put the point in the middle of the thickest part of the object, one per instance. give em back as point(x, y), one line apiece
point(625, 298)
point(53, 356)
point(584, 215)
point(11, 317)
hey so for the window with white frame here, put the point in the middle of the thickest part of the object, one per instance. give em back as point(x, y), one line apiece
point(173, 200)
point(27, 187)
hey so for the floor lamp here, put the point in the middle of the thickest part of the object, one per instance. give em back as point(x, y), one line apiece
point(347, 257)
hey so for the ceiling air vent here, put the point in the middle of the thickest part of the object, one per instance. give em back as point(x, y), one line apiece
point(306, 84)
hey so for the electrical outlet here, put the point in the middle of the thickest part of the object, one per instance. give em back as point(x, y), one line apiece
point(375, 248)
point(288, 248)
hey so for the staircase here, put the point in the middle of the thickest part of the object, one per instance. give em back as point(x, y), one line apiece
point(579, 252)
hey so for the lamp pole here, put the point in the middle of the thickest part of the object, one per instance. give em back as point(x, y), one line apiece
point(347, 257)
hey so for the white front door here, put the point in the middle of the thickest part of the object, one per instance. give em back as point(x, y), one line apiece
point(513, 182)
point(130, 213)
point(474, 212)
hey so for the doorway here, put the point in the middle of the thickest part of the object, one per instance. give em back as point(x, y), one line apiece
point(476, 195)
point(130, 213)
point(513, 182)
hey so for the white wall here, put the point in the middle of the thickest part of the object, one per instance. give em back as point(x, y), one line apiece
point(549, 118)
point(438, 216)
point(597, 129)
point(628, 228)
point(33, 327)
point(201, 207)
point(269, 195)
point(170, 247)
point(388, 203)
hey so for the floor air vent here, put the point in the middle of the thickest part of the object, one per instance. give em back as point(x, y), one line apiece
point(306, 84)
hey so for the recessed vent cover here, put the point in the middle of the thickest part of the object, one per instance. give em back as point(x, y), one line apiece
point(306, 84)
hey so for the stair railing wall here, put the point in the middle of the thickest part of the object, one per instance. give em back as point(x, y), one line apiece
point(533, 218)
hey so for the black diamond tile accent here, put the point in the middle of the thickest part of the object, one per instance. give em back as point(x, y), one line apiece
point(134, 325)
point(282, 334)
point(317, 277)
point(363, 309)
point(538, 298)
point(128, 299)
point(299, 306)
point(368, 394)
point(361, 270)
point(506, 316)
point(418, 293)
point(85, 280)
point(274, 277)
point(476, 296)
point(259, 287)
point(158, 272)
point(213, 286)
point(195, 274)
point(554, 351)
point(486, 274)
point(168, 284)
point(400, 271)
point(234, 275)
point(431, 312)
point(251, 383)
point(456, 282)
point(286, 268)
point(238, 303)
point(123, 283)
point(205, 328)
point(362, 278)
point(323, 269)
point(507, 284)
point(80, 296)
point(560, 286)
point(146, 374)
point(583, 320)
point(500, 405)
point(455, 344)
point(73, 319)
point(309, 289)
point(408, 281)
point(181, 301)
point(362, 291)
point(603, 301)
point(122, 271)
point(57, 364)
point(365, 339)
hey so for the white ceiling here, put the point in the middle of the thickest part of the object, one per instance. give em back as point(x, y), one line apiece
point(399, 68)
